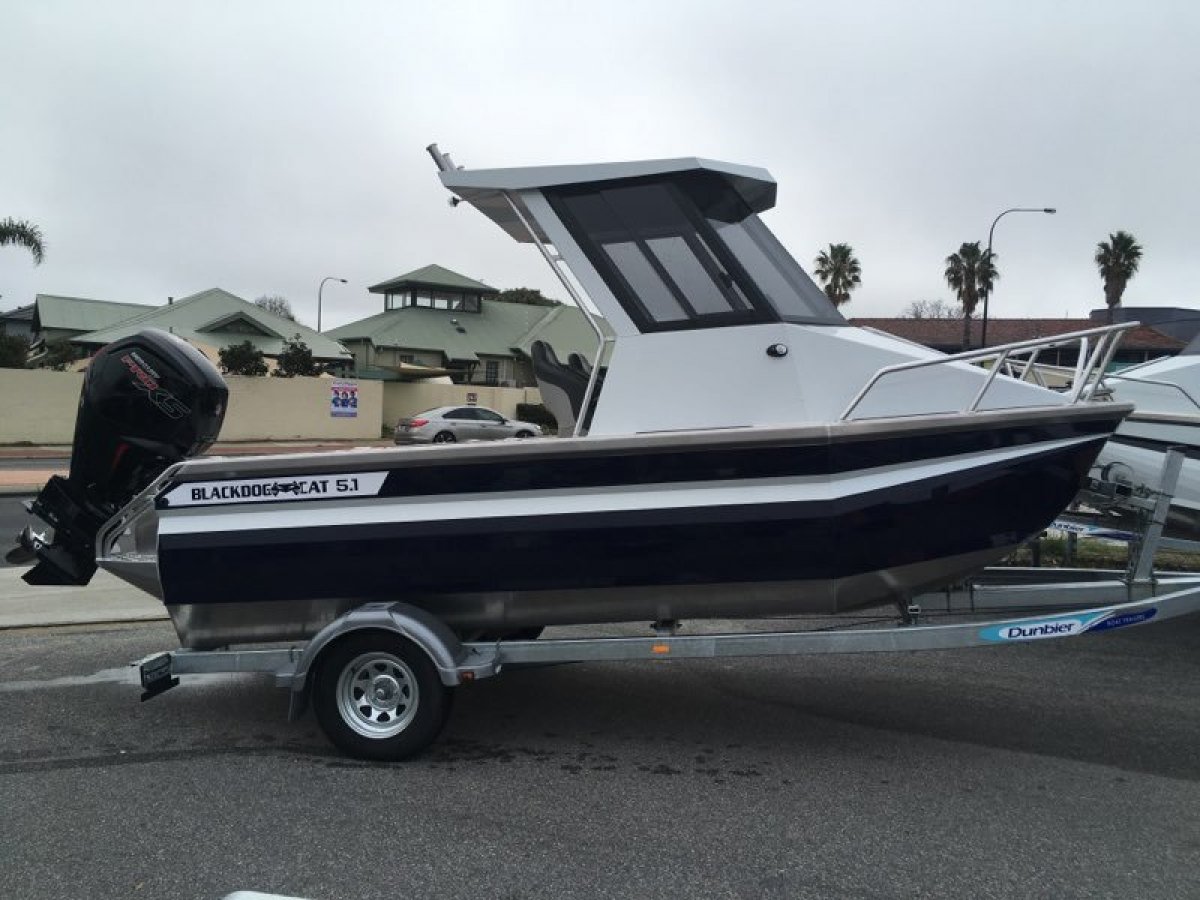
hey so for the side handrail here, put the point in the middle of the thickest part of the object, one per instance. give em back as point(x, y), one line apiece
point(1133, 380)
point(1093, 359)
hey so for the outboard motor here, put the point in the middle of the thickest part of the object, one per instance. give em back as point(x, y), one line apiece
point(148, 401)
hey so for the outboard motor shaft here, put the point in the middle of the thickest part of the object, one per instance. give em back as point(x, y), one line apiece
point(148, 401)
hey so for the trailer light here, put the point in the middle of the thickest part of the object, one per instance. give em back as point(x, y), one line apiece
point(660, 648)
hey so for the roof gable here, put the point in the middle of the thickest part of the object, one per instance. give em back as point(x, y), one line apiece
point(238, 323)
point(206, 315)
point(433, 276)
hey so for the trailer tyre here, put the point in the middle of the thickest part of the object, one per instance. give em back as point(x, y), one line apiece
point(378, 696)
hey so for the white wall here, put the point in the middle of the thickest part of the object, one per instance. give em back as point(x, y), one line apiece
point(297, 409)
point(38, 406)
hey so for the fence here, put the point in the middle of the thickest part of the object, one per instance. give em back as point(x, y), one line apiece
point(38, 406)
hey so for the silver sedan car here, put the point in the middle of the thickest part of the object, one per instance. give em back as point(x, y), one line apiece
point(448, 424)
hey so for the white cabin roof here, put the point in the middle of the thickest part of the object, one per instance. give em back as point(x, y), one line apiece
point(485, 188)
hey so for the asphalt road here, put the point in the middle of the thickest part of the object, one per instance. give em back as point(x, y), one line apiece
point(1061, 769)
point(22, 464)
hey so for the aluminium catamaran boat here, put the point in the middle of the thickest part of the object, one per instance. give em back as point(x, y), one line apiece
point(1166, 397)
point(736, 449)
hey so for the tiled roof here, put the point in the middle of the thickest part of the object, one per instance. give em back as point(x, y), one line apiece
point(205, 318)
point(948, 333)
point(566, 330)
point(498, 329)
point(432, 276)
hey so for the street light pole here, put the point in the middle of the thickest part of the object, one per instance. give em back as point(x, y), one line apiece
point(991, 231)
point(321, 288)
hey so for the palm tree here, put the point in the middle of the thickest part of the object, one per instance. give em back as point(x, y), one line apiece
point(1117, 260)
point(23, 234)
point(839, 271)
point(970, 272)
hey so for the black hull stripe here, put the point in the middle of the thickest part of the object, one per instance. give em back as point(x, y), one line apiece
point(963, 512)
point(671, 466)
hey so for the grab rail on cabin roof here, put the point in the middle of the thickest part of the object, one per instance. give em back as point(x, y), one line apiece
point(1092, 361)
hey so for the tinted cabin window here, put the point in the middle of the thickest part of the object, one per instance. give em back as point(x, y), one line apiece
point(686, 251)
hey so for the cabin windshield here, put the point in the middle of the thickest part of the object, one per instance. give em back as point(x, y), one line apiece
point(686, 251)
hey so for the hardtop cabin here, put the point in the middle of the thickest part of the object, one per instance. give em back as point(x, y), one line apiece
point(677, 244)
point(712, 323)
point(672, 253)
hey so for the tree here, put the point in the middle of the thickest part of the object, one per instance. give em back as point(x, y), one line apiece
point(1118, 260)
point(23, 234)
point(274, 303)
point(59, 355)
point(527, 296)
point(839, 272)
point(242, 359)
point(970, 272)
point(296, 359)
point(931, 309)
point(13, 351)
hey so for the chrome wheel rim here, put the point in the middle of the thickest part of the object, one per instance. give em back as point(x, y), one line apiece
point(377, 695)
point(443, 438)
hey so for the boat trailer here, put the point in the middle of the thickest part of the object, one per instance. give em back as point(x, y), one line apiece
point(379, 677)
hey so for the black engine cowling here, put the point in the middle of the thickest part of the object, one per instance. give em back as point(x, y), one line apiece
point(148, 401)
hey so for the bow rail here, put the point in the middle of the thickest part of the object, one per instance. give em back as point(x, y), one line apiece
point(1096, 349)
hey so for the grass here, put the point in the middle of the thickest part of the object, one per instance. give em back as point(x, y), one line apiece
point(1096, 554)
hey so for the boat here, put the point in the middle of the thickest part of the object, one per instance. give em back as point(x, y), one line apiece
point(1165, 393)
point(733, 449)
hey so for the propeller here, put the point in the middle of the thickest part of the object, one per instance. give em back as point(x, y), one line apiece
point(24, 552)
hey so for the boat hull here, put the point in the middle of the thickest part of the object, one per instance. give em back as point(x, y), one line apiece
point(746, 523)
point(1140, 446)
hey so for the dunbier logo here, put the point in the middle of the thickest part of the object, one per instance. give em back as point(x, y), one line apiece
point(1032, 631)
point(1038, 629)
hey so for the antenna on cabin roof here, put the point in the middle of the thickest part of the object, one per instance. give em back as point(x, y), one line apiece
point(444, 164)
point(441, 160)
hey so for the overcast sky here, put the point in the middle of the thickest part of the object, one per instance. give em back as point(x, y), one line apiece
point(165, 148)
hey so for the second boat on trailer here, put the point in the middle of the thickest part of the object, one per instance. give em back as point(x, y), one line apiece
point(749, 453)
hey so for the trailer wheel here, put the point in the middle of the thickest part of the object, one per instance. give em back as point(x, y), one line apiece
point(378, 696)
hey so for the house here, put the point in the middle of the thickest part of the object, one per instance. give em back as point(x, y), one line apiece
point(436, 321)
point(946, 335)
point(56, 320)
point(214, 319)
point(18, 322)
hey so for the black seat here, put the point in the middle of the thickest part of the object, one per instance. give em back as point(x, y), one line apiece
point(579, 363)
point(562, 386)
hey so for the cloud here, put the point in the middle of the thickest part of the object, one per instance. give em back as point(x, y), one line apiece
point(166, 148)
